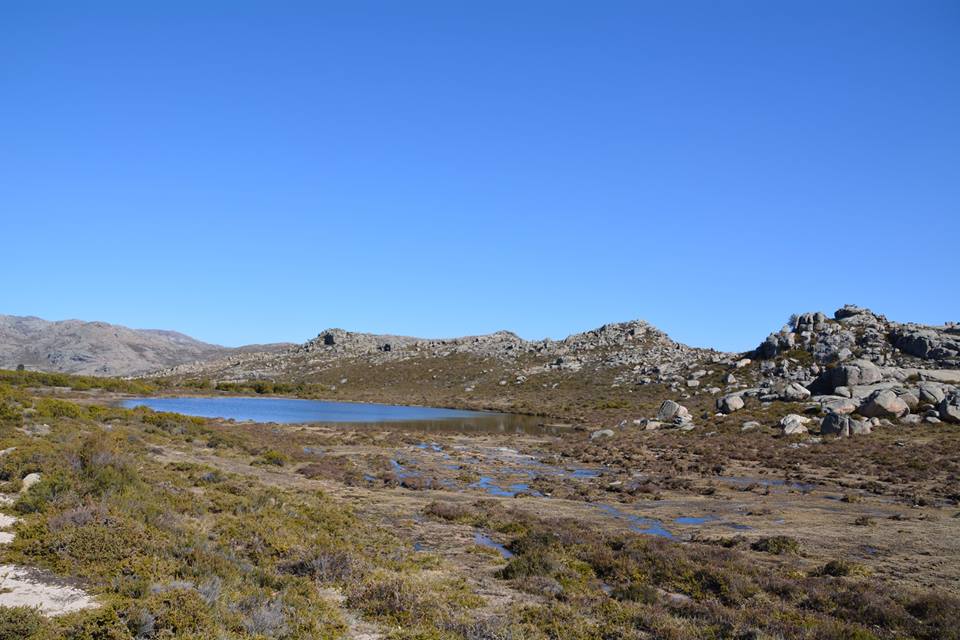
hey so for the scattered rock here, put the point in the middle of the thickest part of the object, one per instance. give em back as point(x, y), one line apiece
point(602, 433)
point(930, 393)
point(794, 392)
point(794, 424)
point(670, 411)
point(949, 407)
point(29, 480)
point(35, 430)
point(837, 404)
point(909, 398)
point(884, 404)
point(730, 403)
point(844, 426)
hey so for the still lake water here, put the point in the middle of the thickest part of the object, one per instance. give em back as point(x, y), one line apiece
point(293, 411)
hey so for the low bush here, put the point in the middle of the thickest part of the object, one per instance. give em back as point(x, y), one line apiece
point(777, 545)
point(17, 623)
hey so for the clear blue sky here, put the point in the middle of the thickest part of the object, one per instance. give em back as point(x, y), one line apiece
point(258, 171)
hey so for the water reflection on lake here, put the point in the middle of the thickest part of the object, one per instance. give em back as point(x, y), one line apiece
point(295, 411)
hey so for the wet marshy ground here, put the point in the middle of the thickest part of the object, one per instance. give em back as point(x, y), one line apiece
point(397, 475)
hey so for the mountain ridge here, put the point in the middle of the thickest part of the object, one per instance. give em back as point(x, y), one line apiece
point(100, 348)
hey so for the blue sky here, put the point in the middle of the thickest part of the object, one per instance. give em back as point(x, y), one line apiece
point(258, 171)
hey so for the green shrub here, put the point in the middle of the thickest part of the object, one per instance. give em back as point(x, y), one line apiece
point(273, 457)
point(96, 624)
point(777, 545)
point(841, 568)
point(175, 612)
point(18, 623)
point(51, 488)
point(54, 408)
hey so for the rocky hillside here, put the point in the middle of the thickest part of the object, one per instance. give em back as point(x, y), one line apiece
point(635, 347)
point(853, 372)
point(98, 348)
point(850, 372)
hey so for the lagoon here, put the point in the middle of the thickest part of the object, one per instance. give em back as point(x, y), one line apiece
point(295, 411)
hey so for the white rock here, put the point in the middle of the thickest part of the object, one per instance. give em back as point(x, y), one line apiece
point(602, 433)
point(794, 423)
point(29, 480)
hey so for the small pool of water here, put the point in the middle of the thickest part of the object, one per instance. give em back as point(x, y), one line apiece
point(694, 520)
point(486, 541)
point(638, 524)
point(295, 411)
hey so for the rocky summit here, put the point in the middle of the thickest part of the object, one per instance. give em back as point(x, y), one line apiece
point(648, 353)
point(859, 361)
point(856, 361)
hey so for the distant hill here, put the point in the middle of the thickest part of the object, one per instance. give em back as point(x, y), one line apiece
point(838, 361)
point(633, 346)
point(101, 349)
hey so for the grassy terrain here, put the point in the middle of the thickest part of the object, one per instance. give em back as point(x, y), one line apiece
point(192, 528)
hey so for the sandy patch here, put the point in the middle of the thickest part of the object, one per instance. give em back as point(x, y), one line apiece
point(22, 586)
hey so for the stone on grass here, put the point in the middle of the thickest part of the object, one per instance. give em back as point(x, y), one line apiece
point(793, 424)
point(29, 480)
point(730, 403)
point(670, 411)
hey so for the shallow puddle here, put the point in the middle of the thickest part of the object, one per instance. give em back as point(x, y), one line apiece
point(638, 524)
point(485, 541)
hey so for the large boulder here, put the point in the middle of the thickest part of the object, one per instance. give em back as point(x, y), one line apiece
point(837, 404)
point(671, 411)
point(794, 392)
point(794, 424)
point(29, 480)
point(769, 347)
point(843, 426)
point(949, 407)
point(730, 403)
point(910, 397)
point(854, 373)
point(931, 393)
point(884, 403)
point(848, 311)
